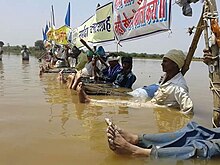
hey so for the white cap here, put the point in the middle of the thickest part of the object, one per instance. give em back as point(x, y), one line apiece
point(113, 58)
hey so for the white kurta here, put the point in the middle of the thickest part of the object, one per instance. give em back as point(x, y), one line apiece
point(174, 93)
point(88, 69)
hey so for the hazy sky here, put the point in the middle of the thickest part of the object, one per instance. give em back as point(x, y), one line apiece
point(22, 22)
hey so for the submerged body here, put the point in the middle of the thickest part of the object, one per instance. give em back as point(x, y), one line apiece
point(25, 54)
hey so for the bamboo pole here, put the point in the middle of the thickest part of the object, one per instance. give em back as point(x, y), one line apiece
point(215, 77)
point(193, 46)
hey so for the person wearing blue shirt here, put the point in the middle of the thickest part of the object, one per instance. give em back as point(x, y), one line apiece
point(114, 68)
point(126, 77)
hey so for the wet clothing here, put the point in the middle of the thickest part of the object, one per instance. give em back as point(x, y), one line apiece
point(191, 141)
point(88, 70)
point(174, 93)
point(125, 80)
point(145, 91)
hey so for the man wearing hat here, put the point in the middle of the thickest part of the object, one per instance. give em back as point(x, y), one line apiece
point(88, 70)
point(173, 90)
point(113, 68)
point(100, 70)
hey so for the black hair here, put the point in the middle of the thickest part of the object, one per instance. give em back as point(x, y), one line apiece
point(127, 59)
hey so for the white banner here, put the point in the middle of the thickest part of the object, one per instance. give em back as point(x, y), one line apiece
point(98, 28)
point(137, 18)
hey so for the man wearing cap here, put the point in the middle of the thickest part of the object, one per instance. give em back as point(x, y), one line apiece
point(173, 90)
point(113, 69)
point(88, 70)
point(100, 70)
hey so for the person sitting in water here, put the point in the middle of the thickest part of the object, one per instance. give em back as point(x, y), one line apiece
point(73, 55)
point(113, 69)
point(125, 77)
point(61, 55)
point(88, 70)
point(172, 91)
point(192, 141)
point(101, 56)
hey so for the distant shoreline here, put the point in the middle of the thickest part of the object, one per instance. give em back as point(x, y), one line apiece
point(37, 53)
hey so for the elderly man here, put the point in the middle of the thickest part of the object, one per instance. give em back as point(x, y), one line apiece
point(172, 91)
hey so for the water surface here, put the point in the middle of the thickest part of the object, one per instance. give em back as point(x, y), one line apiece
point(42, 122)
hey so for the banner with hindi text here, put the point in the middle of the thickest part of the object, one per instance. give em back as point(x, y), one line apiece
point(62, 35)
point(98, 28)
point(137, 18)
point(51, 34)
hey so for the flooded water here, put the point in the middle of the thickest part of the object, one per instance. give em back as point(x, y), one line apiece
point(42, 122)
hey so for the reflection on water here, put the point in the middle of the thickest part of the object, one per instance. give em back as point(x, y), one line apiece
point(170, 120)
point(57, 127)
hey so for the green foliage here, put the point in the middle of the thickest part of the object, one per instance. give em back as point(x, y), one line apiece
point(140, 55)
point(39, 44)
point(39, 49)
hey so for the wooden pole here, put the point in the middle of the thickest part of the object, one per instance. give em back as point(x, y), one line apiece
point(215, 77)
point(193, 45)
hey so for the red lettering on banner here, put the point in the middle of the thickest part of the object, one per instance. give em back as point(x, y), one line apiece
point(162, 10)
point(126, 22)
point(151, 10)
point(118, 26)
point(139, 17)
point(139, 2)
point(118, 3)
point(126, 1)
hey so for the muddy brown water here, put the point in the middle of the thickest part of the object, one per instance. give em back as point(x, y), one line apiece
point(42, 122)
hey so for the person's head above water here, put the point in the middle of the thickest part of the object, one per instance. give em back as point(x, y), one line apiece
point(127, 63)
point(177, 56)
point(100, 51)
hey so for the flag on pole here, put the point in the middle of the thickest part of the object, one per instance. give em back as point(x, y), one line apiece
point(52, 17)
point(43, 34)
point(67, 18)
point(46, 29)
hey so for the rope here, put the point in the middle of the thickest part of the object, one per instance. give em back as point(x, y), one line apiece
point(213, 88)
point(213, 123)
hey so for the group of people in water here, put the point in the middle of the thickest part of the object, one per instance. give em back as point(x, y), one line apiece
point(171, 91)
point(25, 52)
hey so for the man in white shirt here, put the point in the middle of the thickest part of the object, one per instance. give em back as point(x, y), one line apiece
point(173, 90)
point(88, 70)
